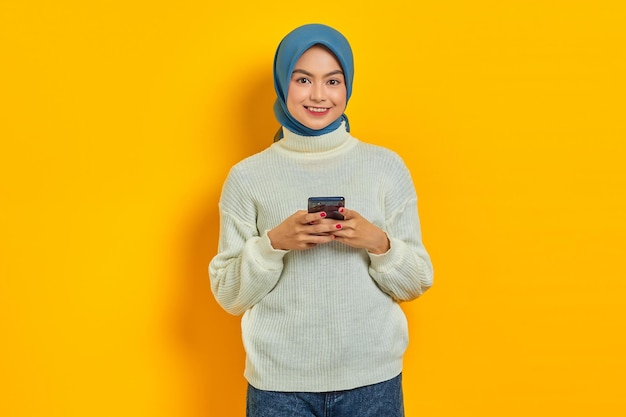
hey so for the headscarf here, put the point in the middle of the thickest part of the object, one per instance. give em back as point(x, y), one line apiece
point(288, 52)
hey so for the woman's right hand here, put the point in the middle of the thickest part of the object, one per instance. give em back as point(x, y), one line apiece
point(303, 230)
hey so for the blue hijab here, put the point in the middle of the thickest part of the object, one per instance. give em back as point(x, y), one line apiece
point(289, 51)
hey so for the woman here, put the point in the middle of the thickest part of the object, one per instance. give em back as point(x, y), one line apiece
point(322, 327)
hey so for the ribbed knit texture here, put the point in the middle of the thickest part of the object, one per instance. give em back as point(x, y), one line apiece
point(327, 318)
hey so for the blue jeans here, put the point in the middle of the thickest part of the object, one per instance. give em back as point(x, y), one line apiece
point(379, 400)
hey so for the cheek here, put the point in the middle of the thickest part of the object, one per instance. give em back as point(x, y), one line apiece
point(293, 99)
point(340, 98)
point(291, 106)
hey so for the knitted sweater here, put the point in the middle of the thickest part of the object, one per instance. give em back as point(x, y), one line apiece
point(326, 318)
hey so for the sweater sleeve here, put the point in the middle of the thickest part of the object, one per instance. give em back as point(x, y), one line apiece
point(246, 267)
point(405, 271)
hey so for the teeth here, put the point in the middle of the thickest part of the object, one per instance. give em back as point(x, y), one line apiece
point(317, 109)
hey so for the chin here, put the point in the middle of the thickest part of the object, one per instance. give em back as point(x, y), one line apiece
point(319, 124)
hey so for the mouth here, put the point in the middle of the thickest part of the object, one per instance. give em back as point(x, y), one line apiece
point(317, 110)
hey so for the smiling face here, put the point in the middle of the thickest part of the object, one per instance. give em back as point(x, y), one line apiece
point(317, 89)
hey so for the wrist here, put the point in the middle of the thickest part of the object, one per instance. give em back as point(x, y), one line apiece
point(382, 248)
point(271, 237)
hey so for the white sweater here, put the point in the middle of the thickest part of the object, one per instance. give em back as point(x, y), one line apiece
point(327, 318)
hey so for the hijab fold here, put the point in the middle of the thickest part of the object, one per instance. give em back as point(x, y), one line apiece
point(288, 52)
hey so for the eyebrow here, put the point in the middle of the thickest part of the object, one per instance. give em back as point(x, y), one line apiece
point(301, 71)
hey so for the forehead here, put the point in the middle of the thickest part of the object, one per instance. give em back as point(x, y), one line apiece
point(318, 56)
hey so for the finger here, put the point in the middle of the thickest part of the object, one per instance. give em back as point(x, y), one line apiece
point(320, 239)
point(337, 230)
point(347, 214)
point(324, 227)
point(314, 218)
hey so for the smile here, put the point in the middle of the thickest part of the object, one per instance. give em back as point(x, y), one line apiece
point(317, 109)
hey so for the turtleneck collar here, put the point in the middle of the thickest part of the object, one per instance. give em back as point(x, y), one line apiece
point(335, 141)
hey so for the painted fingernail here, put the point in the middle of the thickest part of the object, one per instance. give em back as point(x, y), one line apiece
point(338, 226)
point(341, 209)
point(323, 214)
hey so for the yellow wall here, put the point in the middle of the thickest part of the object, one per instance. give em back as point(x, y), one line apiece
point(119, 121)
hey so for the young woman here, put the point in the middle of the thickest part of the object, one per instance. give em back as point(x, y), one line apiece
point(322, 328)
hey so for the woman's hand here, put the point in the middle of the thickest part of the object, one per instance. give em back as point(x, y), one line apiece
point(302, 230)
point(358, 232)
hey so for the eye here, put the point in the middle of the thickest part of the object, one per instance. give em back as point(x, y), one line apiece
point(303, 80)
point(334, 82)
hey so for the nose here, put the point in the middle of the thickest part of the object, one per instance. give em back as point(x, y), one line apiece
point(318, 93)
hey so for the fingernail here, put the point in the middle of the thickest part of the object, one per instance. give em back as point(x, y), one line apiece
point(323, 214)
point(338, 226)
point(341, 209)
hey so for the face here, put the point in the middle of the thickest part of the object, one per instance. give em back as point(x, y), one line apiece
point(317, 89)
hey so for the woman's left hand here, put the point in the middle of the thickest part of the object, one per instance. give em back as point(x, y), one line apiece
point(358, 232)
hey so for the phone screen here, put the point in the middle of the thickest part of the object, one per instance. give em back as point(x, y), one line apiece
point(330, 205)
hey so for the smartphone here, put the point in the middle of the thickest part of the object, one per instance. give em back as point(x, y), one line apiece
point(330, 205)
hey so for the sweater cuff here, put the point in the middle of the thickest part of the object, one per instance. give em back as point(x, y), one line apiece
point(271, 258)
point(385, 261)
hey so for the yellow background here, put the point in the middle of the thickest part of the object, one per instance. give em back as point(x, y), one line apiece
point(119, 121)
